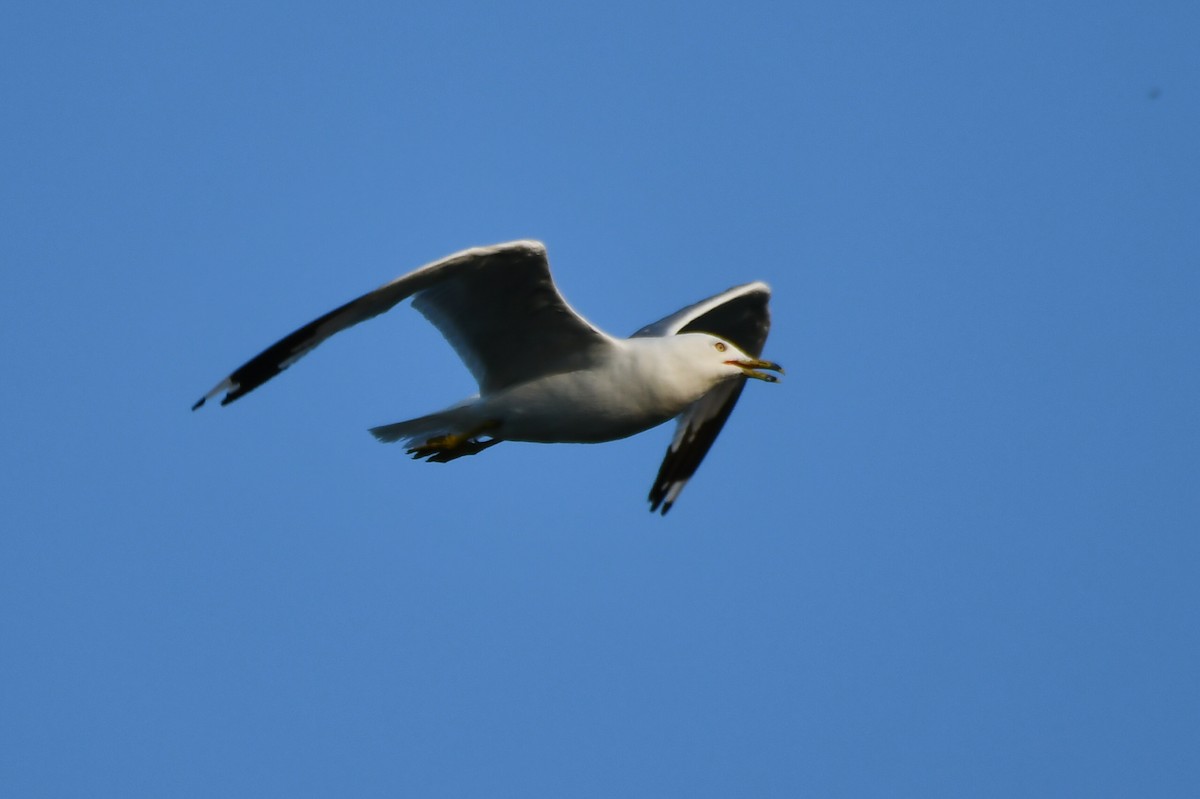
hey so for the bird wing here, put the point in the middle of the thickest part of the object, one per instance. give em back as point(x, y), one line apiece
point(497, 306)
point(740, 316)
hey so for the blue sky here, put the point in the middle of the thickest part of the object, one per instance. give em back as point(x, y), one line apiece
point(953, 553)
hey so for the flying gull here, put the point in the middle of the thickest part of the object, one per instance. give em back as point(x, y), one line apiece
point(545, 373)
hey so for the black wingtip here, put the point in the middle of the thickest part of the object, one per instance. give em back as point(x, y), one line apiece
point(199, 402)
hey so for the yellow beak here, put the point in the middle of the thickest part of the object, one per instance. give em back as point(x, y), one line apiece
point(749, 365)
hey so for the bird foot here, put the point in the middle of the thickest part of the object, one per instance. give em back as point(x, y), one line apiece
point(442, 449)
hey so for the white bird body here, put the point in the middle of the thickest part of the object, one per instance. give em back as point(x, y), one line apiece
point(545, 374)
point(638, 384)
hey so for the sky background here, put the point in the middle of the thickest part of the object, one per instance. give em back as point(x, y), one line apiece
point(954, 553)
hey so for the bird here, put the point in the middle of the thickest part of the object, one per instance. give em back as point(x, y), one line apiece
point(546, 374)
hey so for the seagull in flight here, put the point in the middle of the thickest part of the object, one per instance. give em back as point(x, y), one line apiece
point(545, 373)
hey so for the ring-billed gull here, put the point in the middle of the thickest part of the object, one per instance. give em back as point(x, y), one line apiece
point(545, 373)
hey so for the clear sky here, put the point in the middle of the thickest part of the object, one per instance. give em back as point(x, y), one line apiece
point(954, 553)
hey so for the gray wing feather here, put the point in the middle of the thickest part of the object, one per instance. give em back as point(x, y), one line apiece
point(525, 312)
point(510, 324)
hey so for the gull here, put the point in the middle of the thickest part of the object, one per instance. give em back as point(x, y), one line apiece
point(545, 373)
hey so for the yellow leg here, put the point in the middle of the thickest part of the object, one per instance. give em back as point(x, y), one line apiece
point(441, 449)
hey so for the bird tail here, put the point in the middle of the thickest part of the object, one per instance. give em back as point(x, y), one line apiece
point(453, 420)
point(422, 428)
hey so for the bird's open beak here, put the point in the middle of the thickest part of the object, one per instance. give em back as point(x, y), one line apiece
point(749, 365)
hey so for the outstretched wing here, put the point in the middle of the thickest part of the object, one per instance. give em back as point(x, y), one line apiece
point(740, 316)
point(497, 306)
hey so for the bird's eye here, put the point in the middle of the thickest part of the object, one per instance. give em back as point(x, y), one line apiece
point(720, 345)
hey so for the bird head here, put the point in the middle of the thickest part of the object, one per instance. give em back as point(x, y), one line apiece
point(729, 361)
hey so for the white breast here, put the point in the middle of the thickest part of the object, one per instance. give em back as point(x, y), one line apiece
point(642, 384)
